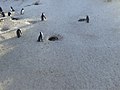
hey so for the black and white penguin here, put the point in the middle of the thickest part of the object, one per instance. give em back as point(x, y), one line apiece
point(9, 13)
point(22, 11)
point(87, 19)
point(40, 38)
point(1, 10)
point(43, 17)
point(11, 8)
point(3, 14)
point(18, 32)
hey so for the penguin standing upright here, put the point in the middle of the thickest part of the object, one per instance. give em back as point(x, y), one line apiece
point(3, 14)
point(87, 19)
point(18, 32)
point(22, 11)
point(1, 10)
point(40, 38)
point(12, 9)
point(9, 13)
point(43, 17)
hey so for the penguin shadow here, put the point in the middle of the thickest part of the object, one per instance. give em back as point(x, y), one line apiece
point(33, 22)
point(34, 4)
point(55, 37)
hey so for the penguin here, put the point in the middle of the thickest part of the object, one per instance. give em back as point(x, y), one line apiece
point(1, 10)
point(43, 17)
point(3, 14)
point(87, 19)
point(12, 9)
point(22, 11)
point(18, 32)
point(9, 13)
point(40, 37)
